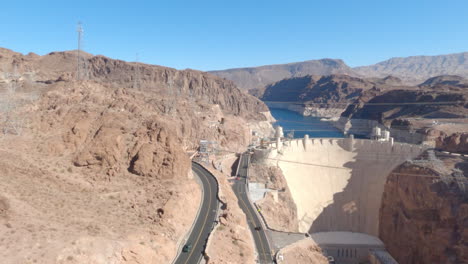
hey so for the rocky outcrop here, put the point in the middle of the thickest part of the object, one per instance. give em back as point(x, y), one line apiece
point(453, 80)
point(196, 84)
point(170, 83)
point(324, 96)
point(110, 131)
point(395, 104)
point(457, 142)
point(317, 89)
point(423, 219)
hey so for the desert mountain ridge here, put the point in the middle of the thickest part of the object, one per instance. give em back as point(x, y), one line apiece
point(259, 77)
point(415, 69)
point(411, 70)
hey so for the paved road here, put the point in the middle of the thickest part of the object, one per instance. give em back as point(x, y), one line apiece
point(253, 220)
point(205, 221)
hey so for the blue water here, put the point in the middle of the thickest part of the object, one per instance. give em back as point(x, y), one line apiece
point(302, 125)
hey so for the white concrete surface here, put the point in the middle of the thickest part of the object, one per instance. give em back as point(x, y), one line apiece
point(257, 191)
point(349, 247)
point(337, 184)
point(345, 238)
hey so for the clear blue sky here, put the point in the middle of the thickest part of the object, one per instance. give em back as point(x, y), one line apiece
point(209, 35)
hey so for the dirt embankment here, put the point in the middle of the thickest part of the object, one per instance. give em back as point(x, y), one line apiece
point(232, 240)
point(277, 206)
point(302, 252)
point(423, 220)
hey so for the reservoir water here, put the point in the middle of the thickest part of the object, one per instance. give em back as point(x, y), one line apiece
point(301, 125)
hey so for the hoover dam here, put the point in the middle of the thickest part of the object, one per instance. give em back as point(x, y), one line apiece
point(337, 185)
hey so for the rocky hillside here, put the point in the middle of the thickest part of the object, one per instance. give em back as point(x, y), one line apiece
point(327, 89)
point(382, 100)
point(441, 80)
point(423, 220)
point(325, 96)
point(259, 77)
point(398, 104)
point(96, 171)
point(93, 175)
point(61, 66)
point(416, 69)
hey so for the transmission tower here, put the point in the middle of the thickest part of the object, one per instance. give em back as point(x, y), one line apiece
point(82, 67)
point(14, 80)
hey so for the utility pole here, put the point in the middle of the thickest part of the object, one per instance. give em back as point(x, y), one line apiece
point(14, 80)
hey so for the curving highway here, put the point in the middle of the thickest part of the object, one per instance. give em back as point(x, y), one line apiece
point(240, 189)
point(206, 218)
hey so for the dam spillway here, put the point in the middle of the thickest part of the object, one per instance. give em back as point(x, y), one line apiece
point(337, 184)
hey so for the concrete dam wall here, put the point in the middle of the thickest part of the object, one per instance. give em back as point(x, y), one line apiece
point(337, 184)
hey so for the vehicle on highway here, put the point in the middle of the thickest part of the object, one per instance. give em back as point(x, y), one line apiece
point(187, 248)
point(331, 260)
point(258, 228)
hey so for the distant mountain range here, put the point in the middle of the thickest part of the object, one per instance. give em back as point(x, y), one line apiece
point(416, 69)
point(259, 77)
point(411, 70)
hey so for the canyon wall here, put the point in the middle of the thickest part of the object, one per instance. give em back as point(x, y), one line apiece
point(97, 171)
point(424, 219)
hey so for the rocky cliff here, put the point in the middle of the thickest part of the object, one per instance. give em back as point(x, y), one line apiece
point(94, 176)
point(423, 219)
point(330, 89)
point(455, 142)
point(325, 96)
point(394, 104)
point(61, 66)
